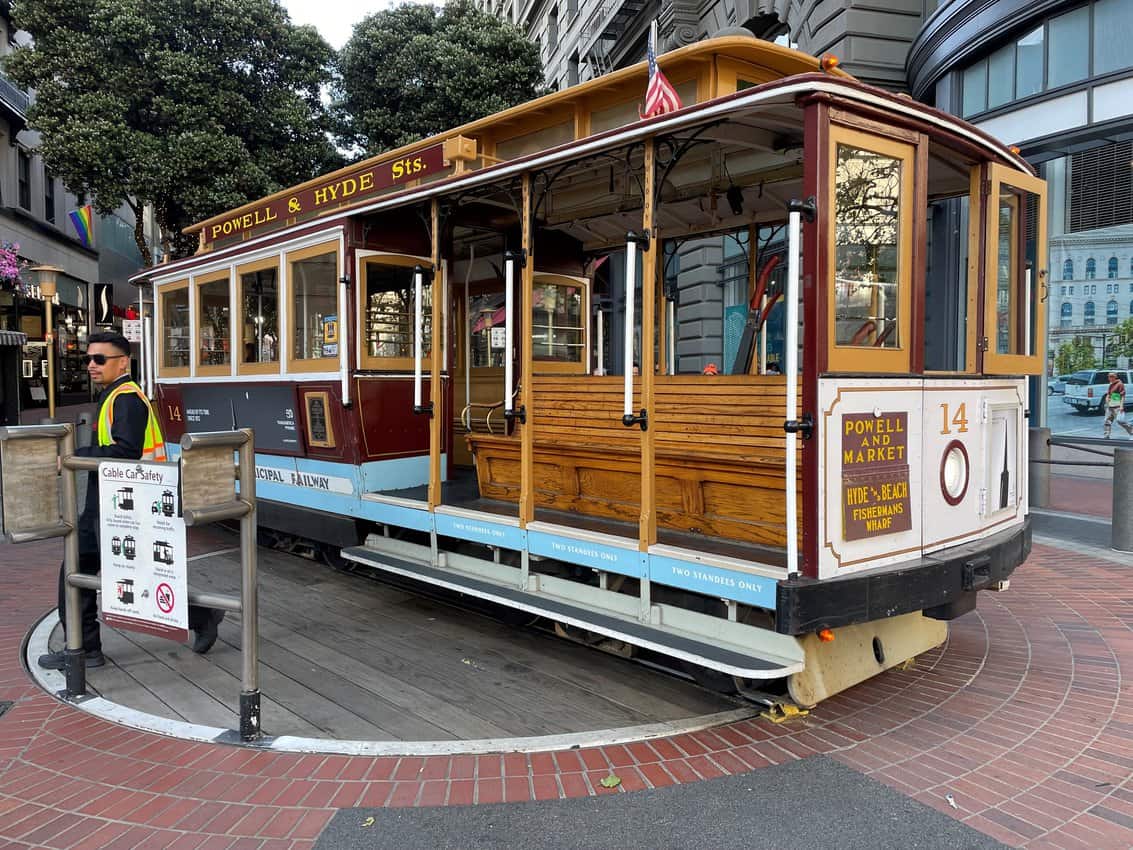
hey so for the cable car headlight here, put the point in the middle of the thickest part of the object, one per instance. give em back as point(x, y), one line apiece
point(954, 471)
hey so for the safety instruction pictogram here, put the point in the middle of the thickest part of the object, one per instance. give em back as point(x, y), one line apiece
point(144, 583)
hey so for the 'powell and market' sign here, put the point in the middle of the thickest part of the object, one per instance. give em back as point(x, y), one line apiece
point(326, 195)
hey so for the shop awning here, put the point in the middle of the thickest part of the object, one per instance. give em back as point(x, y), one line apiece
point(13, 338)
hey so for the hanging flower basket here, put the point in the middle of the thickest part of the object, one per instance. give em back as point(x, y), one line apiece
point(10, 267)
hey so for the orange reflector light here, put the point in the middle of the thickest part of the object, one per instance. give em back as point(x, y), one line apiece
point(826, 635)
point(829, 62)
point(1014, 149)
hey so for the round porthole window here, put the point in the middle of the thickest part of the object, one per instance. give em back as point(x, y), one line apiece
point(954, 471)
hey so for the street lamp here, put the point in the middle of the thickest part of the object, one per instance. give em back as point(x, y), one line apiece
point(47, 289)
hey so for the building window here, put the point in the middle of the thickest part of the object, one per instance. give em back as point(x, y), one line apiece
point(24, 178)
point(1113, 30)
point(1131, 308)
point(1069, 40)
point(1063, 291)
point(1029, 64)
point(1067, 317)
point(1058, 53)
point(48, 198)
point(1068, 270)
point(1101, 187)
point(1112, 267)
point(1111, 313)
point(1091, 269)
point(1071, 289)
point(572, 70)
point(1089, 312)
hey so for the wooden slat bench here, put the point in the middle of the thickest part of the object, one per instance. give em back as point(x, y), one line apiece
point(719, 454)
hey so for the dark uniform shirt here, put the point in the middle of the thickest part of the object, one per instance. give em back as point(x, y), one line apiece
point(128, 431)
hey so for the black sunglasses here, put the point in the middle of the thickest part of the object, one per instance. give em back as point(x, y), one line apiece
point(100, 359)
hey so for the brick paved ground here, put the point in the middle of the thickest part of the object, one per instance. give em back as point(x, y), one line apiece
point(1025, 718)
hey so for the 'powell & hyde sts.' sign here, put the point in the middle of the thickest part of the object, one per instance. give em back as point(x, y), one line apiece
point(326, 195)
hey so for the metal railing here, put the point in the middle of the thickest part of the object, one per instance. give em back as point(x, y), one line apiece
point(15, 97)
point(213, 489)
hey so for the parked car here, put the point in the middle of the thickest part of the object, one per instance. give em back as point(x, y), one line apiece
point(1057, 384)
point(1085, 390)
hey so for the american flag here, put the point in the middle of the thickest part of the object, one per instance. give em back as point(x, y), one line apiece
point(660, 96)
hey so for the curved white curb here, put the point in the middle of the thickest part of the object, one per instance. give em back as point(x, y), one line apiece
point(54, 682)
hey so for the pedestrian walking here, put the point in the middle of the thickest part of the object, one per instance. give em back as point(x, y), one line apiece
point(124, 429)
point(1115, 405)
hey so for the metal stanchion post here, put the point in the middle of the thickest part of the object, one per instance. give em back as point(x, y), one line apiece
point(250, 677)
point(1038, 469)
point(1121, 523)
point(74, 658)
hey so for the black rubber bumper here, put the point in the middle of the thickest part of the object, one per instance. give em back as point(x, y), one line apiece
point(943, 585)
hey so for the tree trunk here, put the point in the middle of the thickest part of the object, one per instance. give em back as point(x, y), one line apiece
point(138, 208)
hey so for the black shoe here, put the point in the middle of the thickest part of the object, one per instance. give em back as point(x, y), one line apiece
point(58, 660)
point(206, 635)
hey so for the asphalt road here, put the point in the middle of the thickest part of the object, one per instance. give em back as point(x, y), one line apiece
point(1065, 420)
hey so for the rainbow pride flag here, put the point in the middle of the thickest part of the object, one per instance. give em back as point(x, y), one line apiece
point(84, 226)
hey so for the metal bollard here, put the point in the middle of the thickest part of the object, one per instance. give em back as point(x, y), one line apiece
point(1121, 523)
point(1038, 467)
point(84, 436)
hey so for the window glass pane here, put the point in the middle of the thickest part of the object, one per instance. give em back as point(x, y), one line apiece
point(1113, 32)
point(866, 234)
point(1069, 47)
point(975, 89)
point(215, 319)
point(260, 316)
point(1000, 76)
point(488, 329)
point(1015, 306)
point(314, 305)
point(1029, 64)
point(556, 324)
point(175, 328)
point(390, 312)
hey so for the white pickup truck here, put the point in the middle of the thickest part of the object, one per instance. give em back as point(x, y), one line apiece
point(1085, 390)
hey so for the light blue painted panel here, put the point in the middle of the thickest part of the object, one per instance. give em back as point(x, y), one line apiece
point(419, 520)
point(381, 476)
point(601, 557)
point(480, 531)
point(713, 581)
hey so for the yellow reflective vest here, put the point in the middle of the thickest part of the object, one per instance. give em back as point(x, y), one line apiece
point(153, 447)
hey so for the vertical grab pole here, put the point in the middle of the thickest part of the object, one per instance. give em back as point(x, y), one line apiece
point(74, 660)
point(509, 329)
point(419, 273)
point(249, 597)
point(601, 340)
point(631, 286)
point(791, 358)
point(418, 287)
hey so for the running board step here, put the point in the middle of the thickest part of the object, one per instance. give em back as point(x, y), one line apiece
point(727, 659)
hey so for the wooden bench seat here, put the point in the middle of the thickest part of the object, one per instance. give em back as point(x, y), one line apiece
point(719, 454)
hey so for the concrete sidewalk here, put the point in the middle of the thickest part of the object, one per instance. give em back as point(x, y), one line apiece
point(1019, 729)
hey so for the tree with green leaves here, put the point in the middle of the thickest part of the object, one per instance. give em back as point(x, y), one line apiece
point(191, 106)
point(1075, 355)
point(416, 70)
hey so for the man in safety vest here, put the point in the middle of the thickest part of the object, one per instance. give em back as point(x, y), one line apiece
point(125, 429)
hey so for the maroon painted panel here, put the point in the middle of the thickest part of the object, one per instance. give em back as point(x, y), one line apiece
point(343, 424)
point(389, 426)
point(170, 412)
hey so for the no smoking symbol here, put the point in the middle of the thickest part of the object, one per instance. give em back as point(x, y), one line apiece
point(164, 598)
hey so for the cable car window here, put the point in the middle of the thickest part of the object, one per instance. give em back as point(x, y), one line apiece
point(867, 222)
point(389, 308)
point(175, 345)
point(557, 329)
point(259, 315)
point(313, 308)
point(488, 329)
point(214, 322)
